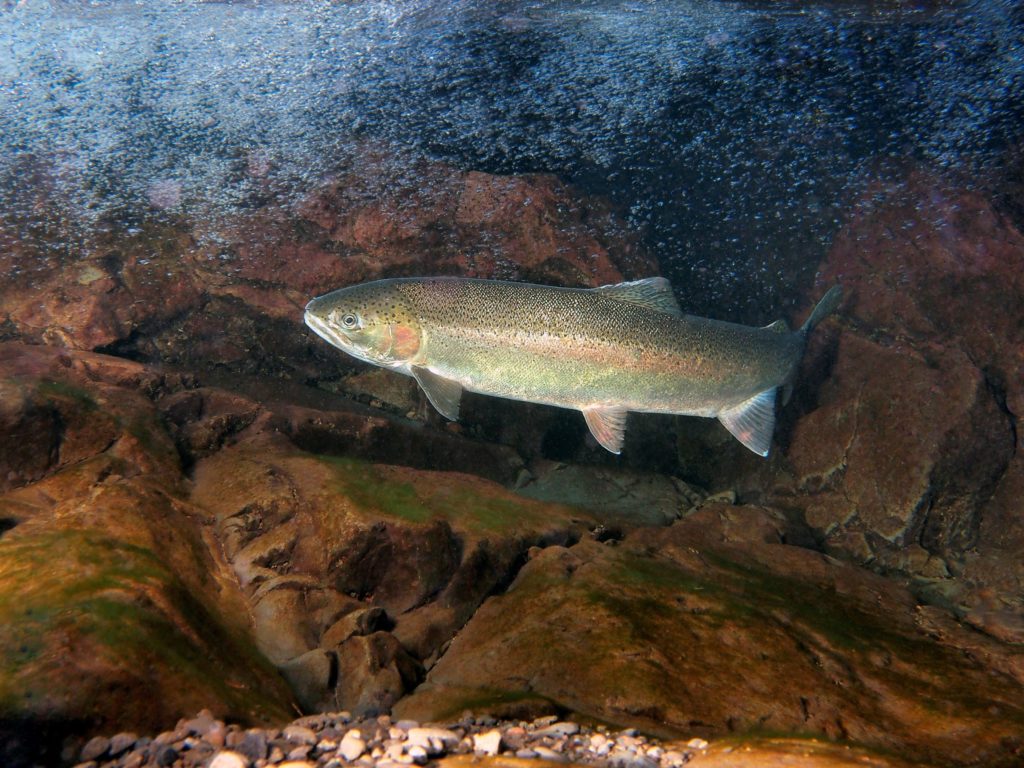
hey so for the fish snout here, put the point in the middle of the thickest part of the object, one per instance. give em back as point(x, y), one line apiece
point(312, 304)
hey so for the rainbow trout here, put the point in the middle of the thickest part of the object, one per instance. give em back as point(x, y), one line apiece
point(604, 351)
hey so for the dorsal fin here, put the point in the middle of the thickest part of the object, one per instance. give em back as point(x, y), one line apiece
point(779, 326)
point(651, 292)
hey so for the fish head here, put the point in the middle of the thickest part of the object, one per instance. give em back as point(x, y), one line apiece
point(371, 321)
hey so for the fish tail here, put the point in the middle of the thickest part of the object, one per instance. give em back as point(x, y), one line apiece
point(825, 307)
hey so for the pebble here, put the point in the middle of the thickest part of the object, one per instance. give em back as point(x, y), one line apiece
point(122, 742)
point(300, 734)
point(559, 729)
point(352, 745)
point(199, 725)
point(336, 740)
point(434, 740)
point(488, 743)
point(418, 754)
point(165, 755)
point(251, 743)
point(229, 760)
point(300, 753)
point(549, 754)
point(95, 748)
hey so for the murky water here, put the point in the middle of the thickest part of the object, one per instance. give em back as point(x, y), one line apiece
point(731, 135)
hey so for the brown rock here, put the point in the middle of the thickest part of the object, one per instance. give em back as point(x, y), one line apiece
point(374, 672)
point(281, 640)
point(204, 419)
point(139, 609)
point(426, 547)
point(31, 433)
point(614, 495)
point(361, 621)
point(232, 299)
point(909, 456)
point(904, 457)
point(675, 631)
point(100, 299)
point(312, 677)
point(793, 753)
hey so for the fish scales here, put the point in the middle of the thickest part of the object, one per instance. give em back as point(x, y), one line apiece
point(603, 351)
point(575, 349)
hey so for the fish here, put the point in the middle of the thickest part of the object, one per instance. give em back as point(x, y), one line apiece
point(604, 351)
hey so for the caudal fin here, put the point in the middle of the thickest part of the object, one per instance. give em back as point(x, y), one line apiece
point(753, 421)
point(825, 307)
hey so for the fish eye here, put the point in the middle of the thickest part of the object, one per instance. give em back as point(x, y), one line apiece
point(350, 321)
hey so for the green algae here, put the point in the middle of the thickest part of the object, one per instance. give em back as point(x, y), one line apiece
point(358, 481)
point(153, 437)
point(58, 389)
point(754, 596)
point(460, 502)
point(76, 598)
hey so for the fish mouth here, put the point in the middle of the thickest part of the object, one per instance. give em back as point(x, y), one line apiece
point(323, 329)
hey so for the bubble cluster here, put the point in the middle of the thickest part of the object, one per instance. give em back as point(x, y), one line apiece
point(732, 134)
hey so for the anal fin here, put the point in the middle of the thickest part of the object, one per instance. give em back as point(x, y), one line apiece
point(607, 425)
point(753, 421)
point(444, 394)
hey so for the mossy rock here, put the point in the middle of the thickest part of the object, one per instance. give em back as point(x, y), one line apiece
point(468, 503)
point(92, 626)
point(679, 635)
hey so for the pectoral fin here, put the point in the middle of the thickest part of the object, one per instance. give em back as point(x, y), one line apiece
point(608, 426)
point(753, 421)
point(444, 394)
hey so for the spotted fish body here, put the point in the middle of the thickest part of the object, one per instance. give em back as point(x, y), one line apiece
point(604, 351)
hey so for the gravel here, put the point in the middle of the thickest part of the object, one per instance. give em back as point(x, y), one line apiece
point(336, 740)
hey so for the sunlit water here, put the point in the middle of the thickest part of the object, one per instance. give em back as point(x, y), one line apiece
point(731, 135)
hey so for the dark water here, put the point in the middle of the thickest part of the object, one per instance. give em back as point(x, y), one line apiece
point(732, 135)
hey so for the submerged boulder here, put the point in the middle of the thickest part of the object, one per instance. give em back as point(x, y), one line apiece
point(714, 627)
point(906, 456)
point(230, 293)
point(395, 559)
point(109, 593)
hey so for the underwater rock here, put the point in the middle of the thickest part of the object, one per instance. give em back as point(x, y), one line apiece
point(109, 593)
point(103, 297)
point(388, 213)
point(374, 671)
point(312, 677)
point(884, 462)
point(231, 297)
point(910, 442)
point(693, 629)
point(31, 433)
point(419, 549)
point(614, 495)
point(355, 579)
